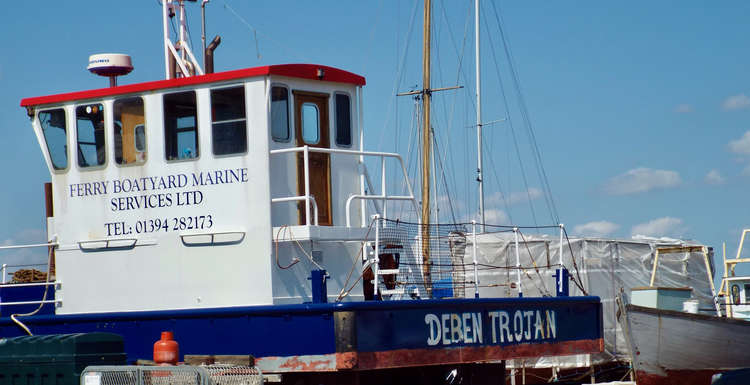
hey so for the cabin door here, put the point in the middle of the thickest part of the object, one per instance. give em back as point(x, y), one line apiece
point(311, 129)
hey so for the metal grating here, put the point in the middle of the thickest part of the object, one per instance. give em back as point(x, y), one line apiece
point(172, 375)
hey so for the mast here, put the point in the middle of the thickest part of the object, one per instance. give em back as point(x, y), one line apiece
point(479, 115)
point(426, 147)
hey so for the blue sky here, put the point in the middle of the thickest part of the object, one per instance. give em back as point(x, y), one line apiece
point(641, 110)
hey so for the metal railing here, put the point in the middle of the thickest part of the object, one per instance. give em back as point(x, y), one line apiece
point(442, 262)
point(172, 375)
point(4, 273)
point(383, 197)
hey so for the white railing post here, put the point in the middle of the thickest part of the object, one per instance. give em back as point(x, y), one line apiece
point(474, 257)
point(560, 271)
point(376, 264)
point(4, 271)
point(518, 264)
point(383, 187)
point(306, 157)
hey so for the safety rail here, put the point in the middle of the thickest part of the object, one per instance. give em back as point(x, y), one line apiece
point(172, 375)
point(383, 197)
point(448, 257)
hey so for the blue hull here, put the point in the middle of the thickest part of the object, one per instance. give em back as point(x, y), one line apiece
point(353, 335)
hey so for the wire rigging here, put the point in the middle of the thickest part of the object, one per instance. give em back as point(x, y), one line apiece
point(525, 116)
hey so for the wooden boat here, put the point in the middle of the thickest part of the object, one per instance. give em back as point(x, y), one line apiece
point(670, 346)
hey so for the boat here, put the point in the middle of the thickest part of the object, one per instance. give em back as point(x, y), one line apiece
point(674, 341)
point(233, 210)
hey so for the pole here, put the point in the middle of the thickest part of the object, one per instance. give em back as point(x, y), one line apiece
point(203, 29)
point(474, 257)
point(479, 115)
point(518, 263)
point(166, 38)
point(426, 145)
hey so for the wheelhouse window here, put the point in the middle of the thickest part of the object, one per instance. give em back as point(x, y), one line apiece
point(229, 126)
point(90, 135)
point(180, 126)
point(310, 123)
point(129, 131)
point(55, 134)
point(280, 114)
point(343, 120)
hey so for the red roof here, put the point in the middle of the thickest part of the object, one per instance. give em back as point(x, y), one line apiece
point(302, 71)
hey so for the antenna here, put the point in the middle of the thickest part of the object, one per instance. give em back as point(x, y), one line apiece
point(178, 57)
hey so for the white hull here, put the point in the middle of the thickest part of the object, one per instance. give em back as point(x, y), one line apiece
point(670, 347)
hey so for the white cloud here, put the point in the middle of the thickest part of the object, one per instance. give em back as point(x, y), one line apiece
point(596, 229)
point(660, 227)
point(714, 177)
point(515, 197)
point(496, 217)
point(683, 109)
point(640, 180)
point(736, 102)
point(741, 145)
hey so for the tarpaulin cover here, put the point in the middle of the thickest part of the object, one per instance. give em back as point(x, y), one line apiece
point(602, 267)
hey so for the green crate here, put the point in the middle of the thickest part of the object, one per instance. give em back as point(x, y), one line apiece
point(56, 359)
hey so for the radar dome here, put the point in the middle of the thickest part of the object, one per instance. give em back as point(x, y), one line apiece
point(110, 65)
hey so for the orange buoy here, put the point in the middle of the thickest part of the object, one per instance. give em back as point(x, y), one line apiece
point(166, 350)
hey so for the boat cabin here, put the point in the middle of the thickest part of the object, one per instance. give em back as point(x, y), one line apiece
point(205, 191)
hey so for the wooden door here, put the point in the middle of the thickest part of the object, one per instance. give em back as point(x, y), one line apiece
point(312, 129)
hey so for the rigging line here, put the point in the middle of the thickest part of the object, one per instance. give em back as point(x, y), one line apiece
point(411, 143)
point(445, 182)
point(445, 111)
point(499, 185)
point(533, 262)
point(575, 265)
point(256, 33)
point(524, 110)
point(399, 73)
point(510, 124)
point(370, 44)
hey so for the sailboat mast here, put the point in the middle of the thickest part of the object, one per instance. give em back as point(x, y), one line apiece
point(479, 115)
point(426, 146)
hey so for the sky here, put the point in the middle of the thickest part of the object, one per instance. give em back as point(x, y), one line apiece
point(640, 110)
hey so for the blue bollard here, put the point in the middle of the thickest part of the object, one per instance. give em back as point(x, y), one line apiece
point(319, 287)
point(562, 282)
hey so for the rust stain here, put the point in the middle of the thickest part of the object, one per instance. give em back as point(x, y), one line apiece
point(295, 364)
point(458, 355)
point(347, 360)
point(676, 377)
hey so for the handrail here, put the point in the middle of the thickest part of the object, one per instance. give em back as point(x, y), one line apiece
point(301, 198)
point(383, 195)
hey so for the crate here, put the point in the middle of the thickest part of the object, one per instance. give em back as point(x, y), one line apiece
point(56, 359)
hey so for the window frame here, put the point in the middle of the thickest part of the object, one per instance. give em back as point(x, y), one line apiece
point(76, 142)
point(197, 124)
point(68, 137)
point(289, 117)
point(246, 119)
point(145, 124)
point(336, 120)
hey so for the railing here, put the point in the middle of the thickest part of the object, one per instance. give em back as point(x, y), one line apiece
point(383, 197)
point(449, 262)
point(4, 272)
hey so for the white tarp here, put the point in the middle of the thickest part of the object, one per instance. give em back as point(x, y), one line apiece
point(602, 266)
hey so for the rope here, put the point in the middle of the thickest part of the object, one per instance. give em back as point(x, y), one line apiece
point(344, 292)
point(295, 260)
point(578, 281)
point(14, 318)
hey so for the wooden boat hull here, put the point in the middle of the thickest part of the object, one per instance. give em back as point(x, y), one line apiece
point(670, 347)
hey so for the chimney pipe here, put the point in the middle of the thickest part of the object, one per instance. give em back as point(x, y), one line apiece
point(209, 54)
